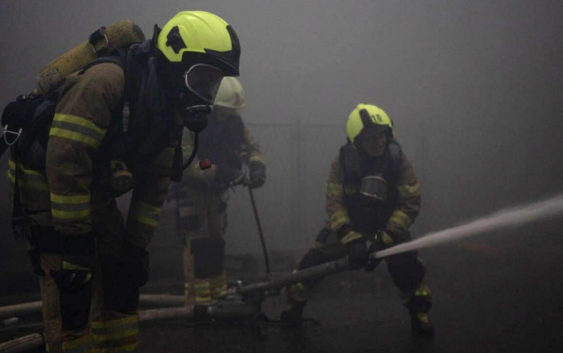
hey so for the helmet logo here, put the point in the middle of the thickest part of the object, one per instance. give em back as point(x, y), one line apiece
point(174, 40)
point(378, 118)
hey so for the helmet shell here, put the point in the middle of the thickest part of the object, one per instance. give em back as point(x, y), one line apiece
point(231, 94)
point(202, 35)
point(355, 123)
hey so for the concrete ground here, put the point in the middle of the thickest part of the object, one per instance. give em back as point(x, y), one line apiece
point(501, 292)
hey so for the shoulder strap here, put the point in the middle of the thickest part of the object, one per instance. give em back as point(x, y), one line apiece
point(350, 163)
point(394, 159)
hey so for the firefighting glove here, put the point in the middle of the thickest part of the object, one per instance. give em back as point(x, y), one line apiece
point(226, 176)
point(257, 174)
point(383, 240)
point(355, 242)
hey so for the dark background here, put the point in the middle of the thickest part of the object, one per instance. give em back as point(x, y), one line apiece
point(474, 88)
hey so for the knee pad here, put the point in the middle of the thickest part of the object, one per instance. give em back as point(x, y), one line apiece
point(209, 254)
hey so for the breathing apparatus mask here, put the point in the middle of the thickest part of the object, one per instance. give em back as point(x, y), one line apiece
point(374, 188)
point(372, 141)
point(191, 92)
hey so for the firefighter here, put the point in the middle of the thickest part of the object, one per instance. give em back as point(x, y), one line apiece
point(90, 260)
point(227, 146)
point(372, 193)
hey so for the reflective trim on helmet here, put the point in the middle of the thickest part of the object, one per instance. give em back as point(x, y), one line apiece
point(203, 80)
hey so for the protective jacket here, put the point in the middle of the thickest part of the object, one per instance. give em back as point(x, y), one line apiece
point(347, 206)
point(86, 134)
point(225, 142)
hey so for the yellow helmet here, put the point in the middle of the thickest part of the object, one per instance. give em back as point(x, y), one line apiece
point(192, 37)
point(363, 116)
point(231, 94)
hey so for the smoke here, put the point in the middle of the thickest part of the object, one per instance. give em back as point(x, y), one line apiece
point(512, 217)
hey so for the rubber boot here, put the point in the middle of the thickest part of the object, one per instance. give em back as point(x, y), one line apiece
point(421, 324)
point(293, 316)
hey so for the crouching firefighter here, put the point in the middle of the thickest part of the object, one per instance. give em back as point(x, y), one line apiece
point(226, 146)
point(372, 194)
point(92, 262)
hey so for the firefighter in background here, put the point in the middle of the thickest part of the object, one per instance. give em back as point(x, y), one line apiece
point(91, 262)
point(201, 197)
point(373, 194)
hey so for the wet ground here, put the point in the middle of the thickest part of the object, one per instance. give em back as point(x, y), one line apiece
point(500, 293)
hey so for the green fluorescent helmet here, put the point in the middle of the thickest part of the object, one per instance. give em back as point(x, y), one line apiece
point(192, 37)
point(364, 115)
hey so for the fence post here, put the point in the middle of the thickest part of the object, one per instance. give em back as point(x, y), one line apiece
point(297, 182)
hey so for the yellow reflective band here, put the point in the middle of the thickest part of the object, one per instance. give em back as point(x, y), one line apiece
point(98, 324)
point(70, 206)
point(339, 218)
point(256, 158)
point(70, 214)
point(297, 292)
point(147, 214)
point(117, 335)
point(81, 344)
point(76, 128)
point(218, 286)
point(350, 237)
point(70, 199)
point(422, 291)
point(31, 179)
point(129, 348)
point(406, 191)
point(334, 190)
point(31, 172)
point(12, 167)
point(400, 219)
point(203, 301)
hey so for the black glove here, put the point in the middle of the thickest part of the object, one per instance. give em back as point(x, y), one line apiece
point(355, 242)
point(358, 255)
point(257, 174)
point(226, 176)
point(383, 240)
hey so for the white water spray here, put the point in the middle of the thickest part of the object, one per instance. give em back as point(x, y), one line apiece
point(505, 218)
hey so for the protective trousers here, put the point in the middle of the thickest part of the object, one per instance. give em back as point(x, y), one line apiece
point(202, 221)
point(100, 316)
point(406, 270)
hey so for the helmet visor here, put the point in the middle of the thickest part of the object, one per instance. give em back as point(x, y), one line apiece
point(203, 80)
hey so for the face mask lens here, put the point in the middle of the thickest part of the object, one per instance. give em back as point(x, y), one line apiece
point(203, 81)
